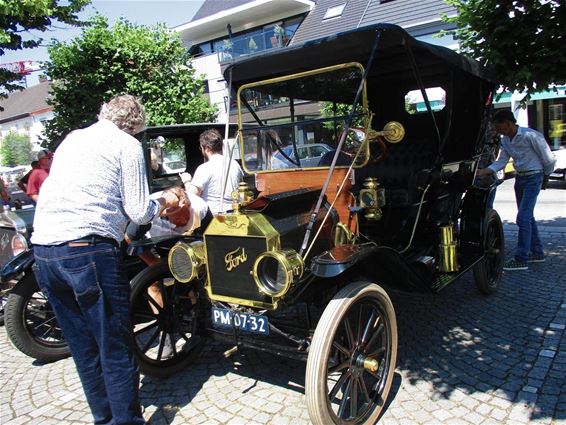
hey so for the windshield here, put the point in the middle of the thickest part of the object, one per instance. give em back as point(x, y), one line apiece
point(295, 122)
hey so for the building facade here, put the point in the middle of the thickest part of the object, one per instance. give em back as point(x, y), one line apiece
point(221, 31)
point(26, 112)
point(224, 30)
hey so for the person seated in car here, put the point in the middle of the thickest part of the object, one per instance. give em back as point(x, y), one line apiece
point(156, 165)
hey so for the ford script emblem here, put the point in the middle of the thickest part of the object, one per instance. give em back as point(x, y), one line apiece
point(234, 258)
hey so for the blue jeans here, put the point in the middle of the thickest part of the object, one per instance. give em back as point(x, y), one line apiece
point(90, 297)
point(527, 189)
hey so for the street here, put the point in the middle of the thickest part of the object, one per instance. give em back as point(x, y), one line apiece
point(463, 358)
point(549, 211)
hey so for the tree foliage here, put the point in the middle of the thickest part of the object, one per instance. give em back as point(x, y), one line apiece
point(149, 62)
point(19, 17)
point(524, 40)
point(15, 149)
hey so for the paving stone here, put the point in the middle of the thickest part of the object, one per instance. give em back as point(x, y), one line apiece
point(471, 359)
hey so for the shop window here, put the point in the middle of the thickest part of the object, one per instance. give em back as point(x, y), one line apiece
point(415, 103)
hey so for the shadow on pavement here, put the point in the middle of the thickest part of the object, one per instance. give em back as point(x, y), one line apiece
point(556, 222)
point(457, 341)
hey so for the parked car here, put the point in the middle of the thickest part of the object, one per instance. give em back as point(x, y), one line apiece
point(303, 265)
point(15, 230)
point(173, 167)
point(306, 156)
point(560, 166)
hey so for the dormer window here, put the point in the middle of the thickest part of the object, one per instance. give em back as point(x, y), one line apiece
point(334, 12)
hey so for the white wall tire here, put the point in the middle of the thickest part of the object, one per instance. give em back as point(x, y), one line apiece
point(359, 323)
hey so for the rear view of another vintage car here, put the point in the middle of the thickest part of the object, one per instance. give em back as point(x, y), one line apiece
point(14, 240)
point(303, 264)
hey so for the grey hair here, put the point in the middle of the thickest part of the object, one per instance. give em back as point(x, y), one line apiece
point(126, 111)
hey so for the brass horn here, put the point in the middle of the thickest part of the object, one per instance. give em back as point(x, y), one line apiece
point(393, 132)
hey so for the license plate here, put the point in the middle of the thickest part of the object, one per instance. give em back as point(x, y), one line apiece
point(246, 322)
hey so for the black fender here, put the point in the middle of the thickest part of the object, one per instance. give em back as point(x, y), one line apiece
point(472, 220)
point(335, 261)
point(17, 265)
point(381, 263)
point(161, 243)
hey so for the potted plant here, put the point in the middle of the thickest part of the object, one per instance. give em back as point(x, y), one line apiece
point(226, 52)
point(252, 45)
point(226, 45)
point(278, 39)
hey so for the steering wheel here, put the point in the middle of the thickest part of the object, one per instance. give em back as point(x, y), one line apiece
point(382, 149)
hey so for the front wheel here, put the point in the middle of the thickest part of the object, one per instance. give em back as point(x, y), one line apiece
point(487, 273)
point(352, 357)
point(165, 317)
point(31, 324)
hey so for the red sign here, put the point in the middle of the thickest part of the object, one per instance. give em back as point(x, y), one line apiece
point(18, 67)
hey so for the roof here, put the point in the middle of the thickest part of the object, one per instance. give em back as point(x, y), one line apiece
point(406, 13)
point(211, 20)
point(353, 46)
point(26, 102)
point(411, 15)
point(211, 7)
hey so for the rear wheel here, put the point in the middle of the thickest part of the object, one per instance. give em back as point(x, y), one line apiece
point(166, 339)
point(31, 324)
point(487, 273)
point(352, 357)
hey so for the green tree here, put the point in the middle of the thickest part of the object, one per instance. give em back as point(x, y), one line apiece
point(15, 149)
point(524, 40)
point(19, 17)
point(149, 62)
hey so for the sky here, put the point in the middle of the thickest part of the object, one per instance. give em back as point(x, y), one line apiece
point(141, 12)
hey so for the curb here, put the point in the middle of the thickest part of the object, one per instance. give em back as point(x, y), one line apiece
point(512, 227)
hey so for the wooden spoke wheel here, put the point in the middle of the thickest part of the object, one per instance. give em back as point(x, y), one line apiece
point(164, 316)
point(352, 357)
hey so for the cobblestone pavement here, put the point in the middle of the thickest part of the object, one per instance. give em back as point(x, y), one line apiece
point(463, 359)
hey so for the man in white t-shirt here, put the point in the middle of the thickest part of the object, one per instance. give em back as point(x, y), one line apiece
point(209, 178)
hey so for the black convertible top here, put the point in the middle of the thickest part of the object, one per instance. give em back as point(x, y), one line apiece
point(354, 46)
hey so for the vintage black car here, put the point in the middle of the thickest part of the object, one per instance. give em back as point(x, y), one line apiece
point(15, 228)
point(302, 265)
point(30, 322)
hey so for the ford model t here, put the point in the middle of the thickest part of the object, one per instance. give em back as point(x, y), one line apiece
point(360, 152)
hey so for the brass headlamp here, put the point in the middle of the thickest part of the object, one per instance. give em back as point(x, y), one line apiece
point(275, 272)
point(186, 260)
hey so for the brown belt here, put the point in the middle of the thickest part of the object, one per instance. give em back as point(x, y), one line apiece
point(92, 240)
